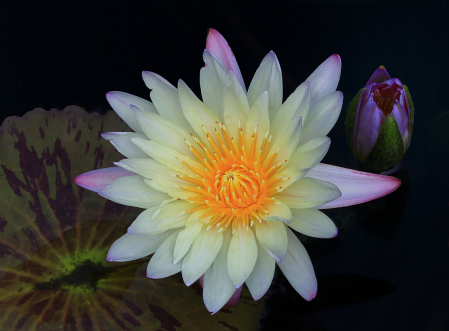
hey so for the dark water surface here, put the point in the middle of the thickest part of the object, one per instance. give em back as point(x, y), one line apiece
point(388, 268)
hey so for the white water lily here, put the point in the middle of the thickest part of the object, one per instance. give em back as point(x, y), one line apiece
point(224, 180)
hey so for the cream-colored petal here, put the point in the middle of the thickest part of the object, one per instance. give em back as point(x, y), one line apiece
point(258, 116)
point(322, 116)
point(287, 140)
point(308, 192)
point(313, 223)
point(212, 82)
point(185, 239)
point(168, 156)
point(324, 79)
point(235, 105)
point(217, 285)
point(242, 255)
point(298, 268)
point(273, 238)
point(290, 176)
point(165, 132)
point(161, 263)
point(169, 217)
point(122, 142)
point(278, 210)
point(166, 99)
point(132, 191)
point(309, 154)
point(260, 279)
point(297, 104)
point(201, 255)
point(149, 168)
point(268, 77)
point(129, 247)
point(197, 114)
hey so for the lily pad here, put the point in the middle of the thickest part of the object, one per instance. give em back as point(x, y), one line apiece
point(54, 237)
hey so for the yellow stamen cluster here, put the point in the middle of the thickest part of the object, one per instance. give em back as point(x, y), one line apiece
point(237, 181)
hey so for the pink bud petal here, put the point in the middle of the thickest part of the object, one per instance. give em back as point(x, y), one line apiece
point(219, 47)
point(97, 180)
point(356, 186)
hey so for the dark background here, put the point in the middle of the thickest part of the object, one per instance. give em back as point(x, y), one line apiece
point(388, 267)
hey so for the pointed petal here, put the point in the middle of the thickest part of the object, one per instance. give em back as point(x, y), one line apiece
point(356, 186)
point(308, 192)
point(212, 82)
point(279, 211)
point(201, 255)
point(324, 80)
point(268, 77)
point(313, 223)
point(185, 239)
point(309, 154)
point(161, 263)
point(122, 142)
point(379, 76)
point(235, 105)
point(218, 46)
point(132, 191)
point(242, 255)
point(151, 169)
point(169, 217)
point(97, 180)
point(217, 286)
point(287, 140)
point(120, 102)
point(322, 116)
point(273, 238)
point(260, 279)
point(296, 105)
point(129, 247)
point(258, 115)
point(298, 268)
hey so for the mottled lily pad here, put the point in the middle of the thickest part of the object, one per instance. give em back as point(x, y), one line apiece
point(54, 237)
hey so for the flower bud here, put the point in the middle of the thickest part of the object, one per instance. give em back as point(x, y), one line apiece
point(379, 122)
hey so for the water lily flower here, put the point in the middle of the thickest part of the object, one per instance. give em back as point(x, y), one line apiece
point(225, 180)
point(379, 122)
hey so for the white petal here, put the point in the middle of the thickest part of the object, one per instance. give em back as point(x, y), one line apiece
point(201, 255)
point(258, 116)
point(197, 114)
point(235, 105)
point(260, 279)
point(120, 102)
point(129, 247)
point(186, 238)
point(149, 168)
point(356, 186)
point(309, 154)
point(287, 140)
point(268, 78)
point(322, 116)
point(291, 175)
point(167, 156)
point(217, 286)
point(212, 82)
point(242, 255)
point(122, 142)
point(161, 263)
point(324, 80)
point(168, 218)
point(164, 132)
point(313, 223)
point(279, 211)
point(166, 99)
point(309, 192)
point(132, 191)
point(298, 268)
point(296, 105)
point(273, 238)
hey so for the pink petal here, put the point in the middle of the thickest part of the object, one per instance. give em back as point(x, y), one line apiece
point(97, 180)
point(219, 47)
point(356, 186)
point(233, 300)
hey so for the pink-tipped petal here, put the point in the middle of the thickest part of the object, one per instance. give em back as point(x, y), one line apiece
point(356, 186)
point(234, 299)
point(219, 47)
point(97, 180)
point(379, 76)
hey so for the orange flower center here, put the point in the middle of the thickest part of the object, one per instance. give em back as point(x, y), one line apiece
point(237, 181)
